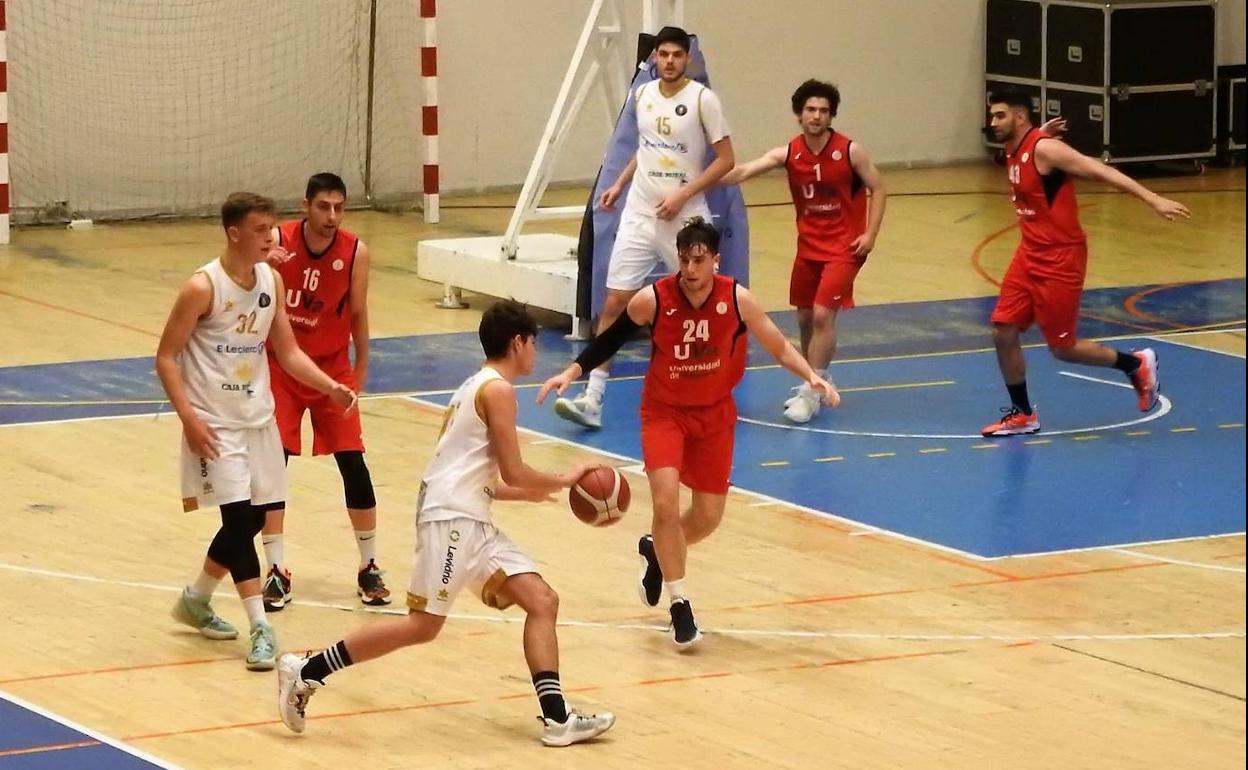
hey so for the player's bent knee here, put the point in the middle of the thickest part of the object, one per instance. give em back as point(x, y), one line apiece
point(357, 483)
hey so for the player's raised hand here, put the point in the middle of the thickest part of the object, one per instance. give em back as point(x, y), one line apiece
point(1055, 127)
point(1169, 209)
point(558, 383)
point(277, 256)
point(344, 397)
point(831, 397)
point(200, 437)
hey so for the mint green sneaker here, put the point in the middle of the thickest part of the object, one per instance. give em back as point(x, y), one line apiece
point(263, 655)
point(197, 613)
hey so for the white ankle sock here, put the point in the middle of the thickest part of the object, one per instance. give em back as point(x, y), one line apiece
point(366, 541)
point(597, 387)
point(204, 585)
point(676, 590)
point(255, 610)
point(273, 551)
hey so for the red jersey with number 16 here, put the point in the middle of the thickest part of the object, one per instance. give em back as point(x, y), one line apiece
point(698, 353)
point(829, 197)
point(318, 290)
point(1048, 213)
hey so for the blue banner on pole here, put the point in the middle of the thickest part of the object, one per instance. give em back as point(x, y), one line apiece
point(726, 203)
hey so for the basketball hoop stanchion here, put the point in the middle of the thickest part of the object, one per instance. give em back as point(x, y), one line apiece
point(4, 129)
point(542, 269)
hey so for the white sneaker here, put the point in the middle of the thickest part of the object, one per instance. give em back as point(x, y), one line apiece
point(797, 394)
point(293, 692)
point(579, 727)
point(583, 410)
point(804, 407)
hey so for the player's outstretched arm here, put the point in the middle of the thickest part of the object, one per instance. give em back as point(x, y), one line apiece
point(296, 362)
point(193, 302)
point(774, 342)
point(498, 408)
point(638, 313)
point(773, 158)
point(1062, 156)
point(612, 194)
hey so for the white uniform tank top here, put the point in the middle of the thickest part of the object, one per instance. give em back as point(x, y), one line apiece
point(223, 364)
point(459, 482)
point(673, 134)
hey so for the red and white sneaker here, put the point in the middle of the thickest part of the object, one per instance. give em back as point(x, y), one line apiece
point(1014, 423)
point(1145, 380)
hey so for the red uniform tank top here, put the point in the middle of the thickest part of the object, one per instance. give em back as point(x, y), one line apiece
point(829, 197)
point(318, 290)
point(698, 353)
point(1048, 213)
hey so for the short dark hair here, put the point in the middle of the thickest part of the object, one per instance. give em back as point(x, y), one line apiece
point(1011, 99)
point(698, 230)
point(238, 205)
point(817, 89)
point(324, 182)
point(501, 323)
point(672, 35)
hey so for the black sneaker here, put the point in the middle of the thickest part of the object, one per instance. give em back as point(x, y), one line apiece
point(650, 580)
point(277, 590)
point(685, 631)
point(371, 588)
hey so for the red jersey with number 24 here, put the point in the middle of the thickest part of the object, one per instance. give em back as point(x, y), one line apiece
point(698, 353)
point(318, 290)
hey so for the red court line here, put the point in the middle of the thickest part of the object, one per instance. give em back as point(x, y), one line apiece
point(1129, 304)
point(978, 251)
point(79, 313)
point(939, 556)
point(116, 669)
point(48, 747)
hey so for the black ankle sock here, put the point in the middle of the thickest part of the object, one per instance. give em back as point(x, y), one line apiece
point(550, 695)
point(324, 663)
point(1126, 363)
point(1018, 397)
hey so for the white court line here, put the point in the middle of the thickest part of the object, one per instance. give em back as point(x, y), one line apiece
point(1180, 562)
point(104, 739)
point(768, 632)
point(1078, 376)
point(1113, 546)
point(1194, 346)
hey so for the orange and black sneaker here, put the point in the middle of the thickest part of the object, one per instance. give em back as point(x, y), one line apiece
point(1014, 423)
point(371, 588)
point(277, 591)
point(1144, 379)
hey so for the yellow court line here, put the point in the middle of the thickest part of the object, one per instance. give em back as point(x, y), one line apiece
point(881, 454)
point(898, 386)
point(1036, 441)
point(1085, 438)
point(984, 446)
point(828, 459)
point(930, 450)
point(774, 463)
point(1231, 425)
point(1138, 432)
point(109, 402)
point(1182, 430)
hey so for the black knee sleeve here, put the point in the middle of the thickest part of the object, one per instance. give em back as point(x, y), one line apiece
point(357, 484)
point(234, 545)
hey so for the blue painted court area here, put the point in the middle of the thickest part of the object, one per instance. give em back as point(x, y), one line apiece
point(32, 740)
point(903, 453)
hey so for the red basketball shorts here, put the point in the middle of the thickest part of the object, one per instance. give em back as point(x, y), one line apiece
point(696, 440)
point(824, 283)
point(1044, 288)
point(332, 430)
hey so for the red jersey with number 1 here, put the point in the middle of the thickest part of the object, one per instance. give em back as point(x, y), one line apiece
point(1048, 213)
point(829, 197)
point(318, 290)
point(698, 353)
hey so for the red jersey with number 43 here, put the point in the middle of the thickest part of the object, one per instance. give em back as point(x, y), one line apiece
point(698, 353)
point(318, 290)
point(830, 199)
point(1045, 203)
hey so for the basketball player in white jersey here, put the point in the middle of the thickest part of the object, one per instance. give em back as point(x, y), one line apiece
point(457, 544)
point(211, 361)
point(677, 119)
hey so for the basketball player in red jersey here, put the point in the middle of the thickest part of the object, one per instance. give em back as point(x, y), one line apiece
point(326, 276)
point(831, 178)
point(1044, 281)
point(698, 325)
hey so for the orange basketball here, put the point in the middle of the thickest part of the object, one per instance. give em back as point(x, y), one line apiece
point(600, 497)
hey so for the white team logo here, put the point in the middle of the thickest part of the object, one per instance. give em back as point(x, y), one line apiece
point(338, 264)
point(721, 308)
point(671, 311)
point(1026, 155)
point(836, 155)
